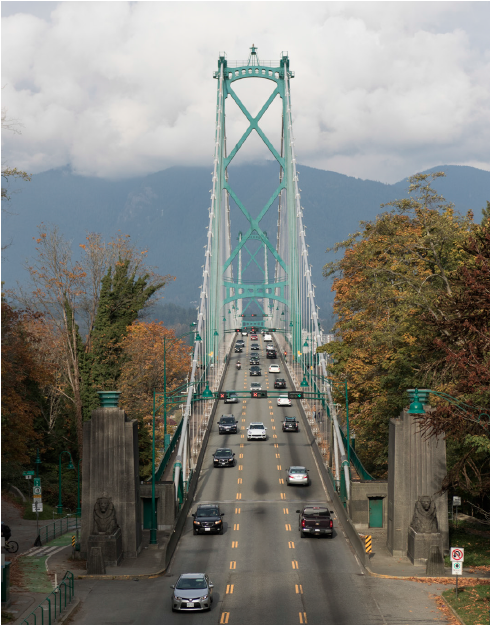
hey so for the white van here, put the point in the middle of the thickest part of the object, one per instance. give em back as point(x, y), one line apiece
point(268, 338)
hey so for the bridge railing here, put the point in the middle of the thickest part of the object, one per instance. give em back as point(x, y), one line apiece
point(50, 609)
point(58, 527)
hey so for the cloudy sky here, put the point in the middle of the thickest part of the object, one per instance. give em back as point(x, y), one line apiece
point(114, 89)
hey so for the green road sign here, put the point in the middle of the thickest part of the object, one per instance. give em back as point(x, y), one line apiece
point(28, 473)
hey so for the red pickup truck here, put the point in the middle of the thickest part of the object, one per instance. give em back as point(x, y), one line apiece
point(315, 521)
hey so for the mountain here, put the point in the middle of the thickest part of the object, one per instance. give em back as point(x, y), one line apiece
point(167, 213)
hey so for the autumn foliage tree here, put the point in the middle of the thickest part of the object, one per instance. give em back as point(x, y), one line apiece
point(144, 349)
point(387, 285)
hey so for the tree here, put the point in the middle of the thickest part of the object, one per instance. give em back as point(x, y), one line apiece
point(143, 371)
point(390, 277)
point(67, 291)
point(23, 375)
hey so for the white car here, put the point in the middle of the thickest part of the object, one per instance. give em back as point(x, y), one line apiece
point(255, 386)
point(268, 338)
point(284, 401)
point(256, 431)
point(274, 368)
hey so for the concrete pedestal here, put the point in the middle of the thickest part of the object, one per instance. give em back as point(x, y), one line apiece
point(419, 545)
point(111, 547)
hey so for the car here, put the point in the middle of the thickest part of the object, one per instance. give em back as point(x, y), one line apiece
point(255, 386)
point(268, 338)
point(208, 519)
point(253, 337)
point(254, 360)
point(284, 401)
point(290, 424)
point(297, 475)
point(270, 348)
point(231, 397)
point(256, 431)
point(192, 592)
point(223, 458)
point(238, 349)
point(254, 370)
point(274, 368)
point(280, 383)
point(254, 346)
point(315, 521)
point(244, 333)
point(240, 343)
point(227, 424)
point(270, 353)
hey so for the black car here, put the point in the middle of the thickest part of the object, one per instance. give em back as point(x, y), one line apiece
point(227, 425)
point(271, 354)
point(280, 383)
point(238, 349)
point(223, 458)
point(254, 360)
point(208, 518)
point(255, 346)
point(290, 424)
point(255, 371)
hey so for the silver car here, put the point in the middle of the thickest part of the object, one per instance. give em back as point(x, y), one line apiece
point(297, 475)
point(192, 591)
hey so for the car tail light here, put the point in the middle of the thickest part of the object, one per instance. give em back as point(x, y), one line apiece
point(303, 522)
point(330, 523)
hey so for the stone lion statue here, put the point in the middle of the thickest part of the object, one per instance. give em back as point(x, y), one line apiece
point(104, 516)
point(424, 517)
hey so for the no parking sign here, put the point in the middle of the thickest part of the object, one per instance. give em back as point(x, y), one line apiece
point(456, 554)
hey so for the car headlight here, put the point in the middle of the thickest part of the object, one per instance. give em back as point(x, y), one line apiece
point(204, 597)
point(218, 522)
point(197, 523)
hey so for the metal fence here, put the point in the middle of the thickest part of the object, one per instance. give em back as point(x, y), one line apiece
point(50, 609)
point(58, 527)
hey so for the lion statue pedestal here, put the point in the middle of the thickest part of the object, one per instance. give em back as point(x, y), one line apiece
point(423, 532)
point(106, 536)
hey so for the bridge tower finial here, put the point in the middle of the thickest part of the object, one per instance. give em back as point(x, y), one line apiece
point(253, 58)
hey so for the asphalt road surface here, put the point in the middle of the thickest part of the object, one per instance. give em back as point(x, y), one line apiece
point(263, 572)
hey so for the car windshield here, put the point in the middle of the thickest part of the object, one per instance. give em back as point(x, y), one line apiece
point(256, 426)
point(188, 583)
point(227, 420)
point(314, 514)
point(203, 512)
point(289, 418)
point(223, 453)
point(296, 470)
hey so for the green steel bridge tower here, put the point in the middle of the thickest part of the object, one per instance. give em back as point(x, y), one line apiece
point(283, 296)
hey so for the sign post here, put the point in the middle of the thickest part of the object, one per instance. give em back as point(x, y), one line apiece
point(37, 502)
point(456, 503)
point(457, 558)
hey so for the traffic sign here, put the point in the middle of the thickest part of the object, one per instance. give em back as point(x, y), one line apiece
point(456, 502)
point(37, 490)
point(456, 568)
point(28, 477)
point(37, 481)
point(37, 506)
point(295, 394)
point(456, 554)
point(28, 473)
point(255, 394)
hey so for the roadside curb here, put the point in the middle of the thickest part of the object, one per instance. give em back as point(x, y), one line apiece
point(452, 610)
point(76, 602)
point(425, 579)
point(125, 577)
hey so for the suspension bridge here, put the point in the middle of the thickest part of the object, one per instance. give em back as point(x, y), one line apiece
point(250, 281)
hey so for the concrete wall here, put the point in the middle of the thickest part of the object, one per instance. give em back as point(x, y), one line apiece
point(361, 492)
point(417, 466)
point(110, 465)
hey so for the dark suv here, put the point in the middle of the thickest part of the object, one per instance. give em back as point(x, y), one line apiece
point(227, 425)
point(208, 518)
point(255, 370)
point(223, 458)
point(280, 383)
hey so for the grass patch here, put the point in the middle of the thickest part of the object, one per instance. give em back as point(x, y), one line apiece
point(474, 539)
point(472, 604)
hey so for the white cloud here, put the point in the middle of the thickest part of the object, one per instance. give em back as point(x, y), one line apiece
point(382, 89)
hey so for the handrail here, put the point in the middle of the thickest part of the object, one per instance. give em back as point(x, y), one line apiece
point(360, 469)
point(67, 583)
point(57, 528)
point(168, 452)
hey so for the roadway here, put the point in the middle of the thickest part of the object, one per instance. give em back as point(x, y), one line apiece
point(263, 573)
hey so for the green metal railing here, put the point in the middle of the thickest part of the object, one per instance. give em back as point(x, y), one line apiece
point(58, 527)
point(355, 461)
point(168, 452)
point(50, 609)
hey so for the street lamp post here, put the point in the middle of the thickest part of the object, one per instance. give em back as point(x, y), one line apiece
point(70, 466)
